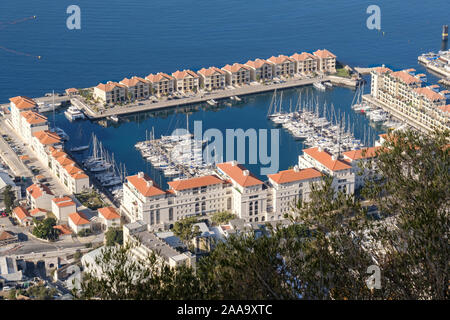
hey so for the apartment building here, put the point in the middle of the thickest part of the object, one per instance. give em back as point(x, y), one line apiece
point(62, 207)
point(248, 193)
point(109, 217)
point(111, 92)
point(22, 215)
point(79, 222)
point(288, 187)
point(161, 84)
point(20, 104)
point(39, 196)
point(422, 107)
point(42, 140)
point(186, 81)
point(359, 160)
point(142, 198)
point(282, 66)
point(137, 88)
point(327, 61)
point(260, 69)
point(146, 243)
point(237, 74)
point(67, 171)
point(145, 201)
point(31, 122)
point(305, 63)
point(332, 165)
point(212, 78)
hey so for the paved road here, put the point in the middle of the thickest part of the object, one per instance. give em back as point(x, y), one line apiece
point(9, 156)
point(55, 185)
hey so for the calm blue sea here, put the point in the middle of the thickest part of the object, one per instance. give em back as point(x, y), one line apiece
point(138, 37)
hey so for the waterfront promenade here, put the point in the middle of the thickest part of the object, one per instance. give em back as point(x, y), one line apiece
point(396, 114)
point(148, 105)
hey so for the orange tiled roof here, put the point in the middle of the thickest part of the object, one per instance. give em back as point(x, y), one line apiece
point(194, 182)
point(64, 229)
point(22, 102)
point(63, 202)
point(258, 63)
point(303, 56)
point(64, 160)
point(132, 82)
point(382, 69)
point(145, 185)
point(292, 175)
point(109, 213)
point(158, 77)
point(79, 175)
point(364, 153)
point(110, 86)
point(326, 159)
point(33, 117)
point(280, 59)
point(324, 54)
point(37, 190)
point(21, 213)
point(210, 71)
point(429, 93)
point(405, 77)
point(236, 172)
point(445, 108)
point(71, 90)
point(78, 218)
point(36, 211)
point(236, 67)
point(184, 74)
point(47, 137)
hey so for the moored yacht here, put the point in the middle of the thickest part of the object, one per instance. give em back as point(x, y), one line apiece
point(73, 113)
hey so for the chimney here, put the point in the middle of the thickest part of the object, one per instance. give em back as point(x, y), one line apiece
point(245, 173)
point(149, 183)
point(320, 149)
point(296, 168)
point(333, 157)
point(234, 163)
point(141, 175)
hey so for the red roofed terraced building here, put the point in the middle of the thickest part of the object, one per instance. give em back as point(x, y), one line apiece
point(341, 170)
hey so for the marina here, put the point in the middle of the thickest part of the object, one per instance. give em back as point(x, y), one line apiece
point(308, 121)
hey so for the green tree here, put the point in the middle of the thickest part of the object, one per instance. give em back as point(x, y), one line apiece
point(126, 277)
point(184, 229)
point(412, 195)
point(114, 236)
point(44, 229)
point(222, 217)
point(8, 198)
